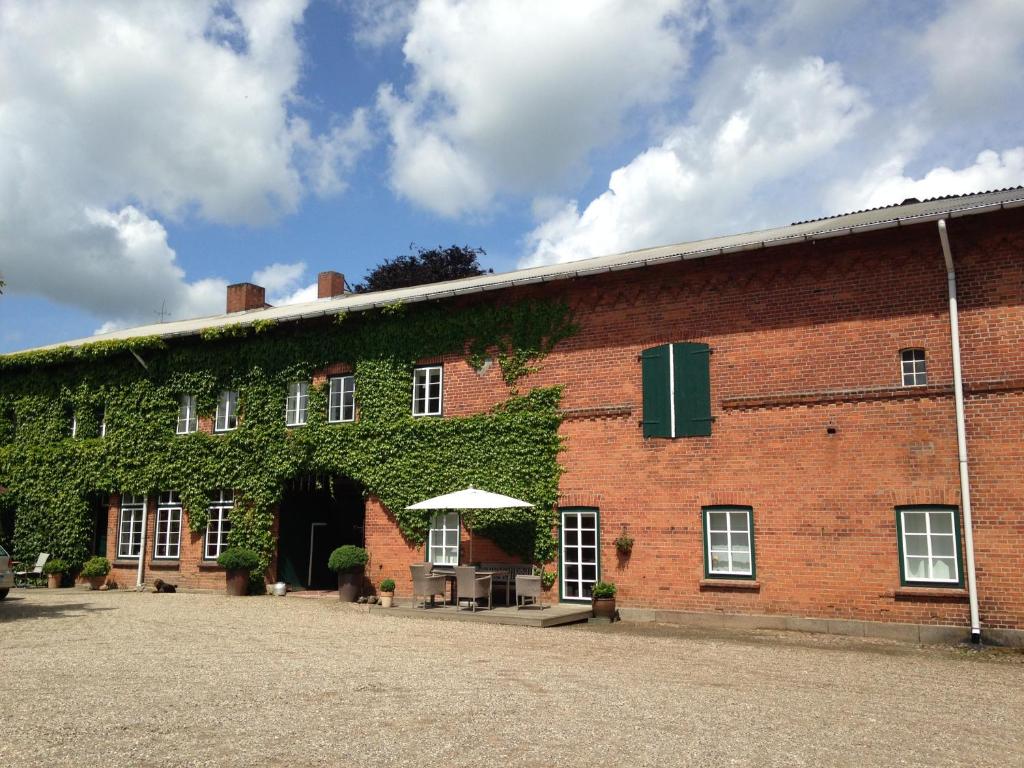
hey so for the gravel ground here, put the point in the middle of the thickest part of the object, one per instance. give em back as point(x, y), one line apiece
point(127, 679)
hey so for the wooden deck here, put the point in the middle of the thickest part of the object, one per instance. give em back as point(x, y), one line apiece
point(550, 616)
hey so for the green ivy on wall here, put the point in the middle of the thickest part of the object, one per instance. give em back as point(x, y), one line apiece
point(134, 387)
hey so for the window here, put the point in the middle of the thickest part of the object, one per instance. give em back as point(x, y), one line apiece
point(342, 405)
point(676, 390)
point(219, 524)
point(74, 425)
point(728, 542)
point(579, 553)
point(426, 391)
point(444, 539)
point(168, 526)
point(929, 541)
point(187, 421)
point(129, 541)
point(296, 405)
point(103, 423)
point(914, 372)
point(227, 412)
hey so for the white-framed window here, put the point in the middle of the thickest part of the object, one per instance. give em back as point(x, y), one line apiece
point(579, 550)
point(103, 423)
point(168, 526)
point(729, 541)
point(219, 524)
point(929, 544)
point(129, 540)
point(296, 405)
point(227, 412)
point(444, 539)
point(74, 425)
point(187, 419)
point(913, 368)
point(426, 390)
point(342, 403)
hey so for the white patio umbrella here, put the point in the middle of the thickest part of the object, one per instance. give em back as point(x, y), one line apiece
point(470, 498)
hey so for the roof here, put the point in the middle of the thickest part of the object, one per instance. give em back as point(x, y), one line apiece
point(846, 224)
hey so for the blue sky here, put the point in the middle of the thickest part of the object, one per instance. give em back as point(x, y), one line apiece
point(151, 153)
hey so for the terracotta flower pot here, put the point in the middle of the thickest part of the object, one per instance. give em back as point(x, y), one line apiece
point(237, 583)
point(350, 584)
point(53, 580)
point(95, 582)
point(386, 599)
point(604, 607)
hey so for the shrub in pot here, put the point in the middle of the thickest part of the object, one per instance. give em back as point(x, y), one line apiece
point(55, 569)
point(95, 571)
point(348, 562)
point(387, 592)
point(604, 600)
point(237, 563)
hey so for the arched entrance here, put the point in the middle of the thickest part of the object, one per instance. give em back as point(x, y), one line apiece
point(317, 514)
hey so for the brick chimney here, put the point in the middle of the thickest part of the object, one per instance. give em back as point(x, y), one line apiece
point(243, 296)
point(329, 285)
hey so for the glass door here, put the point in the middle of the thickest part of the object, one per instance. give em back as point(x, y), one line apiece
point(579, 553)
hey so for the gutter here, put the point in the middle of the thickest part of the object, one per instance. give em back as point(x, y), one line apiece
point(961, 432)
point(142, 549)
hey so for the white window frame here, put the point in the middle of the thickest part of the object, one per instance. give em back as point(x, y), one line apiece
point(226, 419)
point(167, 542)
point(218, 524)
point(579, 549)
point(296, 404)
point(913, 367)
point(443, 539)
point(74, 425)
point(342, 399)
point(731, 547)
point(103, 423)
point(129, 526)
point(188, 421)
point(423, 378)
point(930, 538)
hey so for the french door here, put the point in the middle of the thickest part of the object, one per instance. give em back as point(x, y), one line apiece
point(579, 542)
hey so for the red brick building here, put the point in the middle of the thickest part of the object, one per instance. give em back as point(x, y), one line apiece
point(772, 418)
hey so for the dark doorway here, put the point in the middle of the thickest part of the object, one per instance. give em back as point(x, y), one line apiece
point(99, 506)
point(318, 514)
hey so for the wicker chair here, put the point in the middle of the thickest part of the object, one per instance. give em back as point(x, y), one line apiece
point(470, 586)
point(424, 585)
point(528, 587)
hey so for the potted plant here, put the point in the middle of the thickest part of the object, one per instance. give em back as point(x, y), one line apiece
point(604, 600)
point(624, 544)
point(237, 562)
point(95, 571)
point(387, 592)
point(55, 569)
point(348, 562)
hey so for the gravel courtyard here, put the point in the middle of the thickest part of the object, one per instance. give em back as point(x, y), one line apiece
point(128, 679)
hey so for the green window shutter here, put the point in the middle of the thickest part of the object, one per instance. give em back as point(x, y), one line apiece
point(692, 372)
point(657, 406)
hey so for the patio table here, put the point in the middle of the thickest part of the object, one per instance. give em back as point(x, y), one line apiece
point(449, 575)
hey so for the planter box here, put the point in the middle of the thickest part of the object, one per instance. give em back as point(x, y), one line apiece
point(350, 584)
point(237, 583)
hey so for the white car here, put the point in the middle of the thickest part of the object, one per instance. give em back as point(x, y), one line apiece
point(6, 574)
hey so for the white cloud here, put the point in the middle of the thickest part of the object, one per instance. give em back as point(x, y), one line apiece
point(115, 115)
point(381, 22)
point(513, 96)
point(283, 283)
point(704, 176)
point(888, 184)
point(975, 55)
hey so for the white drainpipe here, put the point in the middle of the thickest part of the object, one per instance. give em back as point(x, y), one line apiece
point(961, 433)
point(142, 548)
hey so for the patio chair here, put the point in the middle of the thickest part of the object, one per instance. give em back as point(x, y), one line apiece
point(36, 573)
point(528, 587)
point(470, 586)
point(424, 585)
